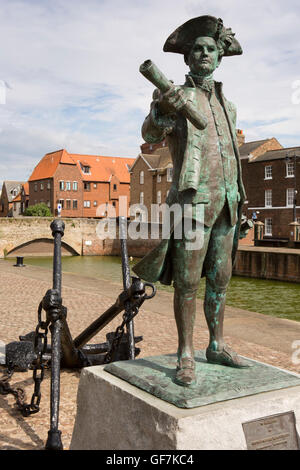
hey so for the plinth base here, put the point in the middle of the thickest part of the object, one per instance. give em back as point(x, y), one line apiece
point(113, 414)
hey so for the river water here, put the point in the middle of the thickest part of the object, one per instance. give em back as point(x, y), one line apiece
point(281, 299)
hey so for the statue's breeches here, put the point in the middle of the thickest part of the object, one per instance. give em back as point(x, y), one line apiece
point(214, 256)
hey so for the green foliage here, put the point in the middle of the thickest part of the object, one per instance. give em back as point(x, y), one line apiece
point(39, 210)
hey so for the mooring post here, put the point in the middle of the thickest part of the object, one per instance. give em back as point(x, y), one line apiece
point(126, 281)
point(54, 435)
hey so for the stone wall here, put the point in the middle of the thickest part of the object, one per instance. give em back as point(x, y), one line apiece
point(32, 236)
point(27, 236)
point(276, 265)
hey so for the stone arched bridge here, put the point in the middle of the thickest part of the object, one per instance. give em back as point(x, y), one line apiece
point(31, 236)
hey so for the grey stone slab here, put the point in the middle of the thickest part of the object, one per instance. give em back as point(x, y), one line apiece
point(215, 383)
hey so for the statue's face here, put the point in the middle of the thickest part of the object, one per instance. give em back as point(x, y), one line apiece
point(203, 58)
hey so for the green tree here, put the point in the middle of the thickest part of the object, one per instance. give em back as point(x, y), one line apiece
point(38, 210)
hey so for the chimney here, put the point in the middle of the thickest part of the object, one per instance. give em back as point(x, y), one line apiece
point(150, 148)
point(240, 137)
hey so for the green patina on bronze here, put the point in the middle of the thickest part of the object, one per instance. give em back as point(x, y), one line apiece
point(199, 126)
point(215, 383)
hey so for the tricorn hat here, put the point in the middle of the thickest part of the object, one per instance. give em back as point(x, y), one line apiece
point(183, 37)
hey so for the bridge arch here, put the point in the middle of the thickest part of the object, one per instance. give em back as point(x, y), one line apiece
point(40, 247)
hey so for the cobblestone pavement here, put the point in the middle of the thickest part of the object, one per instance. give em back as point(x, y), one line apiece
point(21, 291)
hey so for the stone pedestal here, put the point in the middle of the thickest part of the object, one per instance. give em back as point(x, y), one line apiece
point(113, 414)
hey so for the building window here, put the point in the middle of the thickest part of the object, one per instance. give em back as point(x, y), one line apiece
point(141, 198)
point(268, 198)
point(142, 177)
point(48, 203)
point(42, 186)
point(169, 174)
point(115, 187)
point(74, 203)
point(75, 186)
point(15, 206)
point(268, 226)
point(87, 186)
point(62, 203)
point(290, 193)
point(268, 172)
point(86, 203)
point(158, 178)
point(158, 197)
point(114, 203)
point(290, 169)
point(68, 204)
point(95, 185)
point(48, 185)
point(35, 186)
point(95, 203)
point(85, 169)
point(61, 185)
point(68, 185)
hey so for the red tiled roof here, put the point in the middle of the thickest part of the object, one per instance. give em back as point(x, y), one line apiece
point(101, 168)
point(17, 198)
point(47, 166)
point(26, 188)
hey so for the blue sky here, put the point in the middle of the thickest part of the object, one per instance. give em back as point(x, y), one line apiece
point(72, 68)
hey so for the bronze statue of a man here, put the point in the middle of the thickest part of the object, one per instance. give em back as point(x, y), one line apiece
point(206, 170)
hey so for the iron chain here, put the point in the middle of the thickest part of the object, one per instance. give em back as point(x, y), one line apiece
point(119, 333)
point(40, 347)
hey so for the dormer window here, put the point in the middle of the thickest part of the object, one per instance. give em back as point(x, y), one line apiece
point(86, 169)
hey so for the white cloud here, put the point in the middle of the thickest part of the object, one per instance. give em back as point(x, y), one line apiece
point(73, 72)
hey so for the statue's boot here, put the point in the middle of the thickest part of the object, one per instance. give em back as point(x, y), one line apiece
point(185, 372)
point(218, 352)
point(184, 309)
point(225, 357)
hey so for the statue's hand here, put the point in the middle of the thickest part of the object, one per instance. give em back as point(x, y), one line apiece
point(246, 225)
point(187, 196)
point(172, 101)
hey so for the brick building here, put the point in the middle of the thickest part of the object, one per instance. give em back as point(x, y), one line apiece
point(151, 173)
point(80, 183)
point(10, 190)
point(21, 201)
point(268, 178)
point(271, 180)
point(24, 197)
point(151, 177)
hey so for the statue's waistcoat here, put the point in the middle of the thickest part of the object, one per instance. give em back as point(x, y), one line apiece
point(205, 160)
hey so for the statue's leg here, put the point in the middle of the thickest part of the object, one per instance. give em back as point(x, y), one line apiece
point(218, 271)
point(187, 269)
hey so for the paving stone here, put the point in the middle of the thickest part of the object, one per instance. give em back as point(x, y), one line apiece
point(86, 298)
